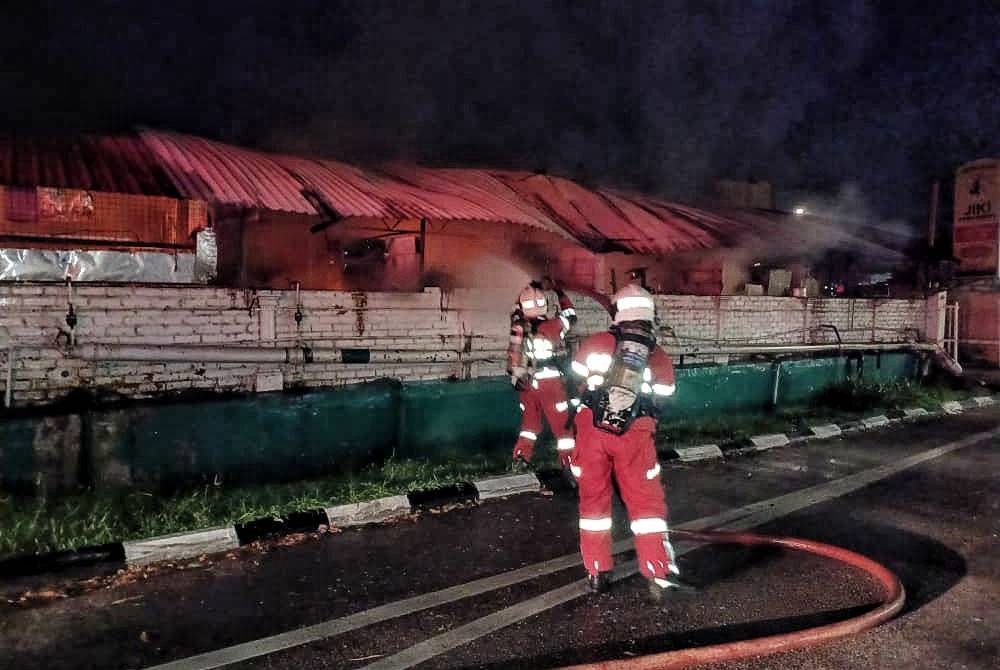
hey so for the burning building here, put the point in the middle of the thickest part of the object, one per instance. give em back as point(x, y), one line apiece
point(166, 207)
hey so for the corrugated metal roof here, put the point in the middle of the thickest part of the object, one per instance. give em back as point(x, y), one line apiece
point(111, 163)
point(177, 165)
point(228, 175)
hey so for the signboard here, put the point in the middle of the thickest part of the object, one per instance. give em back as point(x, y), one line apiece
point(57, 204)
point(976, 239)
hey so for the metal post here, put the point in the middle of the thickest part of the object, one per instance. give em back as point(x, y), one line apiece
point(8, 396)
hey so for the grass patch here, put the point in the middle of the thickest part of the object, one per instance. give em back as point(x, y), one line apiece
point(857, 396)
point(38, 526)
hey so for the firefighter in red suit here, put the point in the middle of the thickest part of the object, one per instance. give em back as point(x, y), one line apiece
point(536, 361)
point(624, 376)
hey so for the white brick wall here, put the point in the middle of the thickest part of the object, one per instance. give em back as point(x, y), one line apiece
point(413, 336)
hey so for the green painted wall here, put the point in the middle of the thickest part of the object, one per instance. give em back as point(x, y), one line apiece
point(281, 436)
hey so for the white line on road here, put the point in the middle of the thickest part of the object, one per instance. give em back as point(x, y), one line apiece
point(745, 517)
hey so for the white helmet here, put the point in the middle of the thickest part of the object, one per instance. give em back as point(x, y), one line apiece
point(633, 303)
point(532, 302)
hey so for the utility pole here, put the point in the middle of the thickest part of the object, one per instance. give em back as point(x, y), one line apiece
point(932, 220)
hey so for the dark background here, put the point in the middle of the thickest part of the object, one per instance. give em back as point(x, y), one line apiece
point(864, 100)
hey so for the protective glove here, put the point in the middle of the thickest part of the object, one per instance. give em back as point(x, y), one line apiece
point(518, 378)
point(522, 454)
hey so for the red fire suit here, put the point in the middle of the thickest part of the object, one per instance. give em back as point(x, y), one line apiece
point(540, 382)
point(631, 457)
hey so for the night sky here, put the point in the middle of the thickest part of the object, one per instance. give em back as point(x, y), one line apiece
point(870, 100)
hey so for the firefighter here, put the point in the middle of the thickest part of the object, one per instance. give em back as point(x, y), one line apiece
point(624, 378)
point(536, 361)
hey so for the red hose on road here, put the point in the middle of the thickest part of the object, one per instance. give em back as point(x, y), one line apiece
point(892, 603)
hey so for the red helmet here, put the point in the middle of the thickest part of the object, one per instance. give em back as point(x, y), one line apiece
point(532, 302)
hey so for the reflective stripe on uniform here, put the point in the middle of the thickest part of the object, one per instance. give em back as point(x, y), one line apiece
point(565, 444)
point(580, 369)
point(547, 373)
point(647, 376)
point(562, 406)
point(521, 405)
point(528, 435)
point(597, 362)
point(575, 402)
point(653, 471)
point(664, 389)
point(576, 470)
point(646, 388)
point(649, 525)
point(634, 302)
point(596, 525)
point(593, 381)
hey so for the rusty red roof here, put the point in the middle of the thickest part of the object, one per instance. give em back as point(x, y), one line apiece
point(120, 163)
point(153, 162)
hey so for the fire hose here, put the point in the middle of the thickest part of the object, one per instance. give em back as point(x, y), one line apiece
point(893, 598)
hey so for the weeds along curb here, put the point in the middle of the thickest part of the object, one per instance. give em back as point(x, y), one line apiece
point(192, 544)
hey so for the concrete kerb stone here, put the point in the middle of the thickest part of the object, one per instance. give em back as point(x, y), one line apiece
point(877, 421)
point(372, 511)
point(952, 407)
point(826, 431)
point(180, 545)
point(698, 453)
point(915, 412)
point(769, 441)
point(501, 487)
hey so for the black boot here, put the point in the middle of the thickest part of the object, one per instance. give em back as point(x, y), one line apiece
point(600, 582)
point(660, 589)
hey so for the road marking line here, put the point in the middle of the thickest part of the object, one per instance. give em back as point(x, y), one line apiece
point(744, 517)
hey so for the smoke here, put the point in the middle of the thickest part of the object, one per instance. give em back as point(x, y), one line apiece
point(850, 210)
point(503, 275)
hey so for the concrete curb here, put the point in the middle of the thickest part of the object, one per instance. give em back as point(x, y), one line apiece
point(193, 544)
point(699, 453)
point(196, 543)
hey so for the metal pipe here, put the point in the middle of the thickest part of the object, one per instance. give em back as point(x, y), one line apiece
point(777, 382)
point(289, 356)
point(8, 395)
point(803, 348)
point(186, 354)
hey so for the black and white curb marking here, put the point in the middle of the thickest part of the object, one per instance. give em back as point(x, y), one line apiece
point(193, 544)
point(188, 545)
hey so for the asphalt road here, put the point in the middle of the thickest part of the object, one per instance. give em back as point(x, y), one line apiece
point(935, 524)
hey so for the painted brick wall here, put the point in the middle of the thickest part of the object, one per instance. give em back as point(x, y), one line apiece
point(412, 336)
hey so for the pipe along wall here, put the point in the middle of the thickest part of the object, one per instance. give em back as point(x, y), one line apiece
point(282, 436)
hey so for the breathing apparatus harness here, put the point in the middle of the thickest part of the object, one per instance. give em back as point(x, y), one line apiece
point(619, 400)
